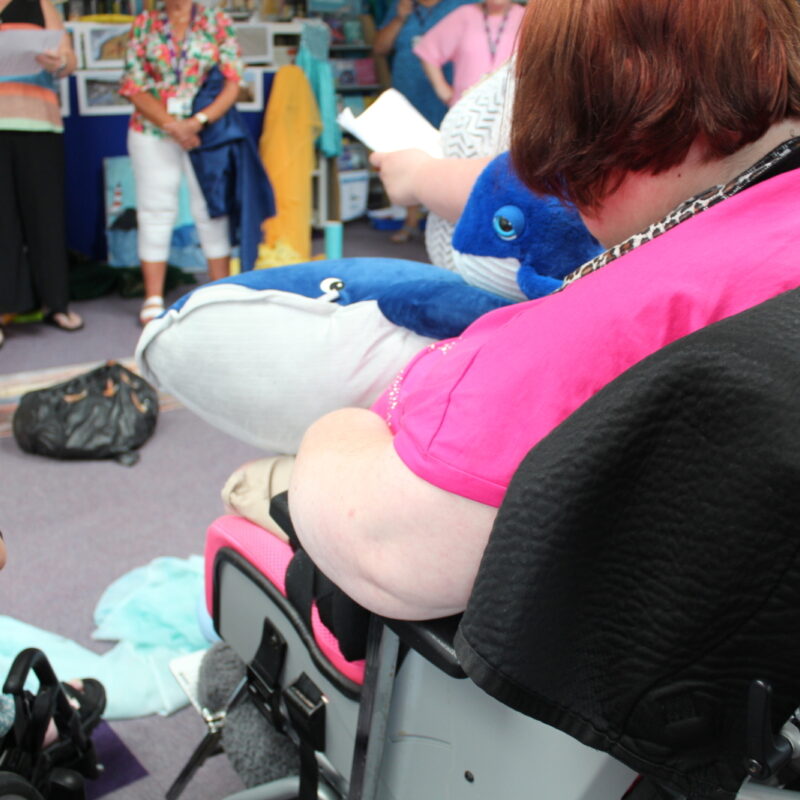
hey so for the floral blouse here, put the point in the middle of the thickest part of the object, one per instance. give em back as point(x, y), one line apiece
point(156, 64)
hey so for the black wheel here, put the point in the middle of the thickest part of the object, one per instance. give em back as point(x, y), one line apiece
point(12, 787)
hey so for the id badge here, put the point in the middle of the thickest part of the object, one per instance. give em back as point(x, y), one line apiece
point(179, 106)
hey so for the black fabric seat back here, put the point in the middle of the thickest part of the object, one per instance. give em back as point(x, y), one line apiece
point(645, 565)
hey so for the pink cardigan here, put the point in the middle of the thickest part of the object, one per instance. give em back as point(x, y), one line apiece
point(466, 411)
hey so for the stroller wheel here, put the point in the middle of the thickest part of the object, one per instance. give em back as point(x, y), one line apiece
point(13, 787)
point(65, 784)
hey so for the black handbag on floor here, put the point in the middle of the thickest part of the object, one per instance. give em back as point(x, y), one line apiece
point(108, 412)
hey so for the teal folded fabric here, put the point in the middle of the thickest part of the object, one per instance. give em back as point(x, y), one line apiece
point(154, 605)
point(320, 75)
point(151, 612)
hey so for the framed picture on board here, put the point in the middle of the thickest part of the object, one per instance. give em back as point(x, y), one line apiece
point(333, 7)
point(104, 45)
point(251, 90)
point(98, 93)
point(73, 31)
point(255, 42)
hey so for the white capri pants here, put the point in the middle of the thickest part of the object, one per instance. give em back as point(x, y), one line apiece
point(158, 165)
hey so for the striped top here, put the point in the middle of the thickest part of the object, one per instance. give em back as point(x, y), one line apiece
point(28, 102)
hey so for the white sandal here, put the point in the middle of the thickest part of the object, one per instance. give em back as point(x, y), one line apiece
point(152, 307)
point(405, 234)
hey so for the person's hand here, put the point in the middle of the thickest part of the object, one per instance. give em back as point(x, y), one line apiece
point(184, 132)
point(401, 171)
point(185, 138)
point(52, 60)
point(404, 9)
point(190, 142)
point(444, 93)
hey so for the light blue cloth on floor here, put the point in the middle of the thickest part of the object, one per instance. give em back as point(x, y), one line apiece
point(151, 612)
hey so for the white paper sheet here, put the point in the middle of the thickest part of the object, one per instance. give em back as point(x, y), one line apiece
point(392, 123)
point(186, 670)
point(19, 48)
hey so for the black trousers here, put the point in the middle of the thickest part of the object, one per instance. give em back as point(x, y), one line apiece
point(33, 245)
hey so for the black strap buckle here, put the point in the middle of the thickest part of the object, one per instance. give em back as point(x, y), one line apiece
point(264, 673)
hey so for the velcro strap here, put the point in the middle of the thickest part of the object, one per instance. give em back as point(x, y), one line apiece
point(305, 704)
point(300, 583)
point(346, 619)
point(309, 773)
point(279, 511)
point(343, 617)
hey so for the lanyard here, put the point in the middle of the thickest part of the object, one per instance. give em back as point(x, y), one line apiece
point(177, 62)
point(422, 19)
point(493, 44)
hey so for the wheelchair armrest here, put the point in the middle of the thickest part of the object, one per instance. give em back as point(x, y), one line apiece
point(432, 639)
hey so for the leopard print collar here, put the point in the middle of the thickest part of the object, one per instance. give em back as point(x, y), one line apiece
point(686, 209)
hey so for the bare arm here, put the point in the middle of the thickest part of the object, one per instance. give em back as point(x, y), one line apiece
point(441, 184)
point(151, 108)
point(396, 544)
point(184, 131)
point(222, 102)
point(62, 61)
point(444, 91)
point(387, 35)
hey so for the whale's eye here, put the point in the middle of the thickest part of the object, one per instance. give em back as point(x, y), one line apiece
point(508, 222)
point(332, 285)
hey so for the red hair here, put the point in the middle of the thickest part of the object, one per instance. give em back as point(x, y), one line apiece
point(606, 87)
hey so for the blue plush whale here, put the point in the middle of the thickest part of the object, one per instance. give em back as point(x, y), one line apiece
point(509, 244)
point(515, 243)
point(264, 354)
point(428, 300)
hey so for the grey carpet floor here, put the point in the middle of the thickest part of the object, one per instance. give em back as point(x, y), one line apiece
point(74, 527)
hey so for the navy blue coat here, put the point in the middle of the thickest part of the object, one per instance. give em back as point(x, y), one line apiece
point(231, 174)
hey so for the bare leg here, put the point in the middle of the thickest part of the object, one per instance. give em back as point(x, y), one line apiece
point(219, 267)
point(153, 274)
point(51, 734)
point(410, 226)
point(64, 320)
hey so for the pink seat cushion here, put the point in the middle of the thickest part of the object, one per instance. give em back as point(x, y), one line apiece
point(271, 557)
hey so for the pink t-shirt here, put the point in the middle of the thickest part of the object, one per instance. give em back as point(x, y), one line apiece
point(461, 38)
point(465, 412)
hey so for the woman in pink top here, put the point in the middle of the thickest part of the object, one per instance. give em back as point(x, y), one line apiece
point(683, 155)
point(476, 38)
